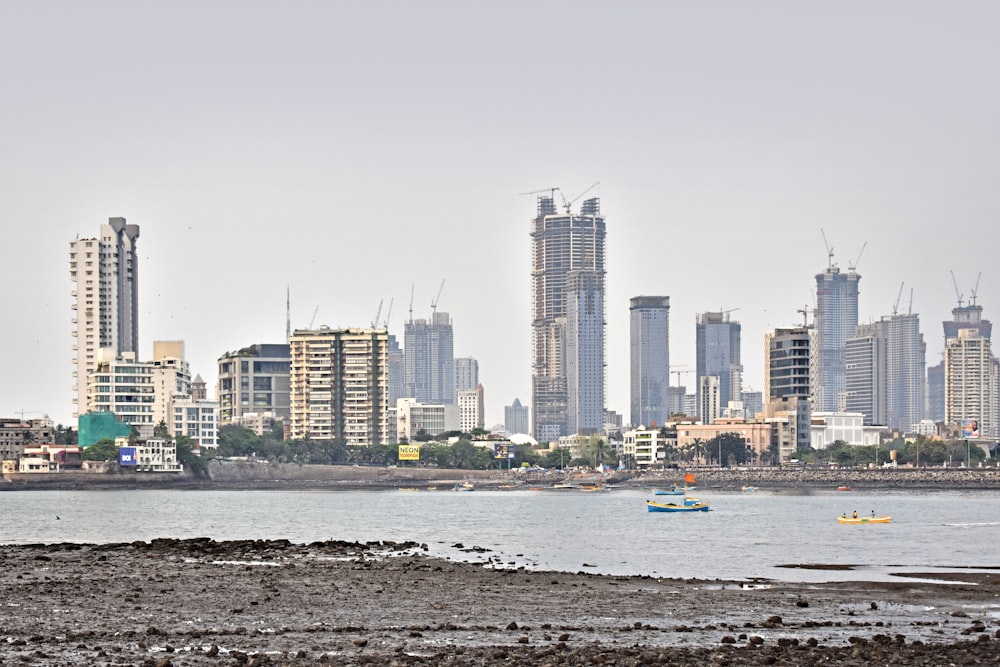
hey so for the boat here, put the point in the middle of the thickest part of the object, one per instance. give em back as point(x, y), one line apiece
point(465, 486)
point(748, 489)
point(843, 518)
point(844, 487)
point(672, 491)
point(654, 506)
point(592, 487)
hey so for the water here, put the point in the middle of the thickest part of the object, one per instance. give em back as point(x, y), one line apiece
point(745, 536)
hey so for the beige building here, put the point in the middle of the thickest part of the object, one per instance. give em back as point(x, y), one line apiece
point(970, 382)
point(757, 435)
point(153, 454)
point(339, 386)
point(471, 409)
point(414, 418)
point(104, 272)
point(16, 434)
point(644, 448)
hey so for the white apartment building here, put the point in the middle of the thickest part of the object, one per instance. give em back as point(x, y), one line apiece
point(196, 418)
point(413, 418)
point(139, 393)
point(646, 447)
point(970, 382)
point(340, 386)
point(153, 454)
point(829, 427)
point(104, 272)
point(471, 409)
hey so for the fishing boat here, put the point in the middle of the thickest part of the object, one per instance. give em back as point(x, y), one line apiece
point(465, 486)
point(844, 487)
point(654, 506)
point(672, 491)
point(592, 487)
point(843, 518)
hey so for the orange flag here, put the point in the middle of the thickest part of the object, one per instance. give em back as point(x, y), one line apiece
point(689, 478)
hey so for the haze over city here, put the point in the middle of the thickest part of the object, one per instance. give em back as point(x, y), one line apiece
point(351, 153)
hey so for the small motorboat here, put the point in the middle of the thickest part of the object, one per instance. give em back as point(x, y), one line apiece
point(697, 506)
point(844, 487)
point(672, 491)
point(843, 518)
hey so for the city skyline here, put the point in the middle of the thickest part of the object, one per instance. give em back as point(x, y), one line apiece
point(317, 145)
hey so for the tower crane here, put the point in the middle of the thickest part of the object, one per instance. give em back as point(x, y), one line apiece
point(378, 314)
point(385, 322)
point(895, 307)
point(434, 303)
point(975, 290)
point(851, 266)
point(829, 250)
point(804, 310)
point(570, 203)
point(957, 293)
point(679, 373)
point(313, 319)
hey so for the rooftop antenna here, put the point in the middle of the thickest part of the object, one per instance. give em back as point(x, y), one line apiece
point(829, 250)
point(852, 266)
point(434, 303)
point(895, 307)
point(411, 303)
point(288, 314)
point(957, 293)
point(975, 290)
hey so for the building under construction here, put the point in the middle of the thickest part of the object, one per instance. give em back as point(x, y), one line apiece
point(567, 280)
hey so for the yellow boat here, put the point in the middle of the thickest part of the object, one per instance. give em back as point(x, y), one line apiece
point(843, 518)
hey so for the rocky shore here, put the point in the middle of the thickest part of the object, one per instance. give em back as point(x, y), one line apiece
point(200, 602)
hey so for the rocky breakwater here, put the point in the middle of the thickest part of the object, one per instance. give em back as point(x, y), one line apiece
point(198, 602)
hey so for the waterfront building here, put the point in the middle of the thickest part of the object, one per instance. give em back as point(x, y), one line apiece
point(471, 409)
point(717, 340)
point(649, 347)
point(789, 357)
point(151, 454)
point(16, 434)
point(196, 418)
point(429, 359)
point(105, 274)
point(255, 379)
point(339, 386)
point(516, 418)
point(564, 244)
point(836, 318)
point(971, 382)
point(865, 361)
point(466, 373)
point(645, 448)
point(829, 427)
point(756, 434)
point(419, 419)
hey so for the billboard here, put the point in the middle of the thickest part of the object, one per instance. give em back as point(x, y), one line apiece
point(970, 429)
point(126, 456)
point(503, 450)
point(409, 452)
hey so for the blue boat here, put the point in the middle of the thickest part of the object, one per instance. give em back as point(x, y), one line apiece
point(654, 506)
point(672, 491)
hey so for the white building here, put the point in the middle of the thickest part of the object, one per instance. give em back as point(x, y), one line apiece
point(829, 427)
point(471, 409)
point(646, 447)
point(153, 454)
point(105, 276)
point(466, 373)
point(412, 418)
point(197, 419)
point(709, 396)
point(970, 382)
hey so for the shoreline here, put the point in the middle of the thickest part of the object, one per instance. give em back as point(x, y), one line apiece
point(232, 475)
point(258, 602)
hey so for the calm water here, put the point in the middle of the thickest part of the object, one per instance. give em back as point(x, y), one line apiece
point(745, 536)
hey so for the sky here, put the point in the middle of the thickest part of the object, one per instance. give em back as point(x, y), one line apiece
point(357, 153)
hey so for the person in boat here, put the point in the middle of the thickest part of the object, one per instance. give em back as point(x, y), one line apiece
point(854, 515)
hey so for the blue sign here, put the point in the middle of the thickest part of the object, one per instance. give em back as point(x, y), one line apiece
point(126, 456)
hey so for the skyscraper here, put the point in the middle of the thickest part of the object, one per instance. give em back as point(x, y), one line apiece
point(971, 382)
point(906, 371)
point(429, 360)
point(466, 373)
point(717, 352)
point(516, 418)
point(865, 373)
point(564, 243)
point(836, 321)
point(649, 348)
point(962, 317)
point(105, 272)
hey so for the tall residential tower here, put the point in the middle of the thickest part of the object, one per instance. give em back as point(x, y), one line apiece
point(836, 321)
point(567, 280)
point(717, 354)
point(105, 272)
point(649, 333)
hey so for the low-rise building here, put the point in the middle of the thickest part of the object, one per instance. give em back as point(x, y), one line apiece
point(757, 434)
point(49, 458)
point(644, 448)
point(149, 455)
point(16, 434)
point(829, 427)
point(413, 418)
point(197, 419)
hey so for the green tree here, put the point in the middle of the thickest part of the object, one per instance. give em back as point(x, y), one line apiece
point(161, 430)
point(102, 450)
point(187, 457)
point(238, 441)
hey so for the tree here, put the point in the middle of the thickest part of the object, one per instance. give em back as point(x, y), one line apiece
point(732, 447)
point(187, 457)
point(238, 441)
point(102, 450)
point(160, 430)
point(597, 450)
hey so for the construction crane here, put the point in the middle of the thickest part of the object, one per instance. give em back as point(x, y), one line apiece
point(569, 204)
point(804, 310)
point(895, 307)
point(313, 319)
point(852, 266)
point(385, 323)
point(21, 413)
point(975, 290)
point(551, 191)
point(378, 314)
point(829, 250)
point(679, 373)
point(434, 303)
point(910, 311)
point(957, 293)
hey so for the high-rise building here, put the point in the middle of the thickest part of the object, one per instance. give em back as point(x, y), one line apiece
point(788, 363)
point(466, 373)
point(516, 418)
point(397, 370)
point(709, 392)
point(836, 320)
point(906, 371)
point(935, 392)
point(105, 273)
point(565, 244)
point(970, 382)
point(649, 348)
point(471, 409)
point(585, 351)
point(255, 380)
point(753, 402)
point(865, 373)
point(962, 317)
point(717, 341)
point(429, 360)
point(340, 386)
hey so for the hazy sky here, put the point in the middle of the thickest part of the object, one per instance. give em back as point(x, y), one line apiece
point(352, 150)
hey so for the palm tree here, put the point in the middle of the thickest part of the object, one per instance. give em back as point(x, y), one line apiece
point(599, 450)
point(699, 448)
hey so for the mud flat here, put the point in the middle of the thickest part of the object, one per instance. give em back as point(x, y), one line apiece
point(200, 602)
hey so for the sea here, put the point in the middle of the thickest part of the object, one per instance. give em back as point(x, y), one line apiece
point(747, 536)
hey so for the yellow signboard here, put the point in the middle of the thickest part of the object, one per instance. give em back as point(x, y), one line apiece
point(409, 452)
